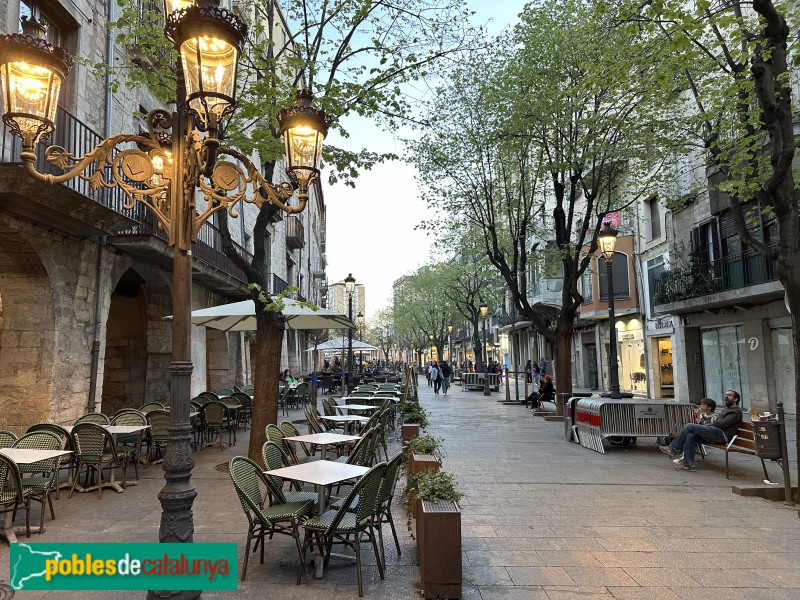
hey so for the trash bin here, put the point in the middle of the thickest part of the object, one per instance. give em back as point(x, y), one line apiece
point(768, 439)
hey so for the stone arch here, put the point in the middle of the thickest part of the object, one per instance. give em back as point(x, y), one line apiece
point(125, 362)
point(27, 333)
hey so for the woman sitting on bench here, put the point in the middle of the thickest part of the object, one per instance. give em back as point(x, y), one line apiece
point(546, 393)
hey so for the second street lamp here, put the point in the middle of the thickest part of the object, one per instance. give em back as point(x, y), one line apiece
point(450, 344)
point(164, 170)
point(349, 286)
point(484, 308)
point(607, 238)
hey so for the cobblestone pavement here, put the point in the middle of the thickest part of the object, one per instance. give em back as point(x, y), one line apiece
point(542, 519)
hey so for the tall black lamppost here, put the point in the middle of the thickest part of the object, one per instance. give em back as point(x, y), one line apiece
point(484, 312)
point(450, 344)
point(350, 286)
point(166, 170)
point(607, 238)
point(360, 321)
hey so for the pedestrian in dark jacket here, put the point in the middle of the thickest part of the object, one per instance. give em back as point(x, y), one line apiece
point(719, 431)
point(446, 372)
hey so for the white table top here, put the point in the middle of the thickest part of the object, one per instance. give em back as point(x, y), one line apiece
point(320, 472)
point(357, 407)
point(117, 429)
point(27, 456)
point(323, 439)
point(345, 418)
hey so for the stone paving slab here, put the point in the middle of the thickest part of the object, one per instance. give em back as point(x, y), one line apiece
point(543, 519)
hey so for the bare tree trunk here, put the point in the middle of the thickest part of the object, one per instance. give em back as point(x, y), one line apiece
point(267, 361)
point(563, 366)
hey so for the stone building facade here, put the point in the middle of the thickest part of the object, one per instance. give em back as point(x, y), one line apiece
point(85, 283)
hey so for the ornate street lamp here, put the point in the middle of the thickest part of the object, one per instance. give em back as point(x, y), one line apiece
point(163, 170)
point(607, 239)
point(349, 286)
point(484, 308)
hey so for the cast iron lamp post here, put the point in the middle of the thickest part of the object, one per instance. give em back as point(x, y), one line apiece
point(360, 321)
point(450, 344)
point(607, 238)
point(484, 308)
point(349, 286)
point(164, 170)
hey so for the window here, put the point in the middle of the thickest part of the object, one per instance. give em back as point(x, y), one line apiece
point(652, 216)
point(54, 33)
point(655, 268)
point(586, 286)
point(620, 274)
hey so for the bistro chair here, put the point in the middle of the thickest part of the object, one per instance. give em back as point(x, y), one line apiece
point(96, 450)
point(350, 523)
point(64, 462)
point(283, 518)
point(216, 419)
point(198, 427)
point(42, 474)
point(7, 438)
point(290, 430)
point(157, 435)
point(97, 418)
point(12, 494)
point(225, 392)
point(131, 443)
point(149, 406)
point(209, 395)
point(383, 513)
point(275, 458)
point(302, 394)
point(246, 411)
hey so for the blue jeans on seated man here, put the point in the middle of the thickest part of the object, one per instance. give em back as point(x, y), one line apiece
point(692, 435)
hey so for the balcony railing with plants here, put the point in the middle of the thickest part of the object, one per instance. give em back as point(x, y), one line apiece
point(728, 273)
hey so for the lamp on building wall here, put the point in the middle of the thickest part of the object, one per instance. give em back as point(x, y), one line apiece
point(349, 286)
point(209, 42)
point(607, 239)
point(484, 310)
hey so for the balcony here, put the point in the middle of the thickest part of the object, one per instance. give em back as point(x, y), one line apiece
point(745, 277)
point(546, 292)
point(76, 209)
point(277, 285)
point(318, 267)
point(295, 233)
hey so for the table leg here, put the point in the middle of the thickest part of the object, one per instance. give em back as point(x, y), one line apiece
point(319, 557)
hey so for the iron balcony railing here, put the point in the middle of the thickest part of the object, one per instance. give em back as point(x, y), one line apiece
point(278, 284)
point(728, 273)
point(79, 139)
point(295, 233)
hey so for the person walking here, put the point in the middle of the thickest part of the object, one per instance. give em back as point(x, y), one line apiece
point(428, 373)
point(447, 372)
point(529, 371)
point(436, 377)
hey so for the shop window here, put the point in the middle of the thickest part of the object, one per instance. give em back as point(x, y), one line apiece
point(665, 367)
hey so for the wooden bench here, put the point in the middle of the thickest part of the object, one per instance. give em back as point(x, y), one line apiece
point(743, 442)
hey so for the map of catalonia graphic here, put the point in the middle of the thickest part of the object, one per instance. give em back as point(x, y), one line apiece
point(34, 563)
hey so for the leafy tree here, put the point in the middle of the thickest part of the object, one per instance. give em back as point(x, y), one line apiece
point(536, 154)
point(735, 60)
point(354, 55)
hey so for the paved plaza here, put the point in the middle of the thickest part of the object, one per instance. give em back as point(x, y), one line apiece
point(542, 519)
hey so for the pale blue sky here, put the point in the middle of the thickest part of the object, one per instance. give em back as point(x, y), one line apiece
point(370, 229)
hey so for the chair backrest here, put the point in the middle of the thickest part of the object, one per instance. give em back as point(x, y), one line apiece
point(10, 480)
point(390, 478)
point(123, 411)
point(159, 424)
point(314, 426)
point(225, 392)
point(129, 417)
point(214, 413)
point(327, 407)
point(196, 406)
point(303, 389)
point(40, 440)
point(246, 476)
point(56, 429)
point(244, 399)
point(7, 438)
point(92, 439)
point(362, 498)
point(274, 434)
point(200, 400)
point(209, 395)
point(288, 429)
point(148, 406)
point(363, 449)
point(97, 418)
point(274, 458)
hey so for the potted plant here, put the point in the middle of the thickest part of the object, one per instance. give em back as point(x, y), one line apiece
point(439, 534)
point(414, 418)
point(422, 456)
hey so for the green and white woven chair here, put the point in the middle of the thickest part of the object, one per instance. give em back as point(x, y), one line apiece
point(12, 495)
point(383, 512)
point(285, 518)
point(289, 430)
point(98, 418)
point(275, 458)
point(96, 450)
point(7, 438)
point(350, 523)
point(41, 475)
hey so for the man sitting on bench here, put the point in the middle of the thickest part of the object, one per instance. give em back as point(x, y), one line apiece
point(718, 432)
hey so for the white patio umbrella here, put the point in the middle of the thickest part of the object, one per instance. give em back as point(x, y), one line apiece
point(241, 316)
point(338, 344)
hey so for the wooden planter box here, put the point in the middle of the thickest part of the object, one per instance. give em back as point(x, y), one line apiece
point(410, 432)
point(439, 548)
point(419, 463)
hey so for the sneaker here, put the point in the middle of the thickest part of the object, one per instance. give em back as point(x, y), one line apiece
point(668, 450)
point(682, 466)
point(678, 461)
